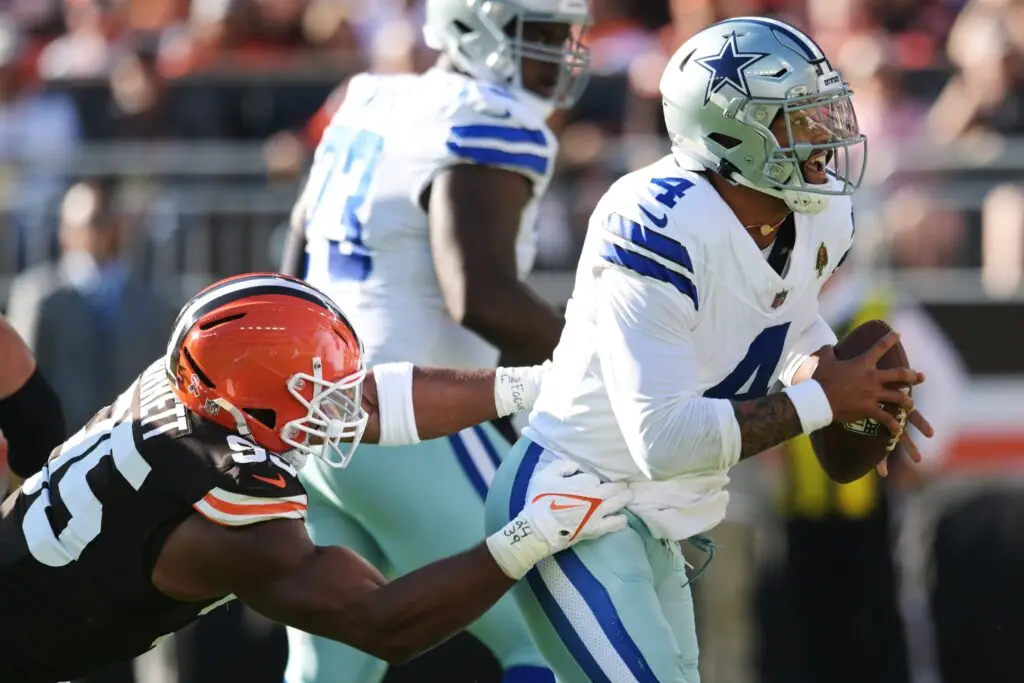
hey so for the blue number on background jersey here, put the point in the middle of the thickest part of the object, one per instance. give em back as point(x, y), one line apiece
point(349, 158)
point(756, 369)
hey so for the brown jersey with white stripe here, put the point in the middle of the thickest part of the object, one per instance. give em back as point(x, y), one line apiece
point(79, 541)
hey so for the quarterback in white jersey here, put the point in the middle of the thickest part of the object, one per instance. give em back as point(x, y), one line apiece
point(419, 215)
point(696, 294)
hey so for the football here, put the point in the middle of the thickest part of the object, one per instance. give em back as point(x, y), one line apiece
point(848, 451)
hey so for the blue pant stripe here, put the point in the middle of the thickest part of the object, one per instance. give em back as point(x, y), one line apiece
point(590, 588)
point(600, 602)
point(577, 648)
point(492, 452)
point(468, 466)
point(521, 484)
point(558, 618)
point(528, 674)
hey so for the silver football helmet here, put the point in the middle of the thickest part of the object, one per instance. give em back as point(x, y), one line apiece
point(485, 39)
point(758, 102)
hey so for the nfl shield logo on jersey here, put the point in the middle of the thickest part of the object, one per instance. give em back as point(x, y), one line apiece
point(821, 261)
point(780, 298)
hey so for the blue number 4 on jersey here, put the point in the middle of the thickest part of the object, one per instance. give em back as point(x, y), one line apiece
point(674, 189)
point(752, 375)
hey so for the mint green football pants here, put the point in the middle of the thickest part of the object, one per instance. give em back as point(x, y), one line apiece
point(402, 508)
point(613, 610)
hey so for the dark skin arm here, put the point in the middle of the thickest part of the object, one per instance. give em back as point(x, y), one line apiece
point(445, 400)
point(329, 591)
point(765, 422)
point(475, 213)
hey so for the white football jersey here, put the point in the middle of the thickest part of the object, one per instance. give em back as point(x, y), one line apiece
point(368, 238)
point(693, 275)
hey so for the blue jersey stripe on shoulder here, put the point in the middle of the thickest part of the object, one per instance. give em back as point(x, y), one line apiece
point(503, 133)
point(486, 156)
point(648, 267)
point(665, 247)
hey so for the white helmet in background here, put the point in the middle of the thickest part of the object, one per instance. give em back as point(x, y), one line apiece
point(490, 39)
point(726, 86)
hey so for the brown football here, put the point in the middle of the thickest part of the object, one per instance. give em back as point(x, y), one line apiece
point(849, 451)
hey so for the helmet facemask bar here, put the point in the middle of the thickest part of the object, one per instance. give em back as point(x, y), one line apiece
point(506, 61)
point(823, 126)
point(335, 416)
point(572, 57)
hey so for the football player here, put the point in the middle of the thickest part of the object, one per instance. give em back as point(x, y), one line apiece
point(696, 292)
point(419, 214)
point(31, 417)
point(184, 494)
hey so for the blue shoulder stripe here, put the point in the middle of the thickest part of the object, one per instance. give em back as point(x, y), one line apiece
point(648, 267)
point(503, 133)
point(487, 156)
point(665, 247)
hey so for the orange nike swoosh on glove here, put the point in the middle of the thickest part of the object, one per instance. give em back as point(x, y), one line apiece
point(584, 500)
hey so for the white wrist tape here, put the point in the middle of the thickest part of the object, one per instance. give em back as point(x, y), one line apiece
point(811, 405)
point(516, 389)
point(394, 404)
point(517, 547)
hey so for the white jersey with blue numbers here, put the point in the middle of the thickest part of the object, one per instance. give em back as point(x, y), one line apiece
point(368, 241)
point(675, 305)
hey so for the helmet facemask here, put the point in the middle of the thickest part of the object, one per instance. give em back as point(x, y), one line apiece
point(334, 416)
point(819, 154)
point(571, 58)
point(495, 48)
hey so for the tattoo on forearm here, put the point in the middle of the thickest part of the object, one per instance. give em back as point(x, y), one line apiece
point(765, 422)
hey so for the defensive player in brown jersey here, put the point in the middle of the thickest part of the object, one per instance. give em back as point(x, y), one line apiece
point(183, 494)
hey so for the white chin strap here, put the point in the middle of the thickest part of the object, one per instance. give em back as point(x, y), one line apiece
point(692, 158)
point(799, 201)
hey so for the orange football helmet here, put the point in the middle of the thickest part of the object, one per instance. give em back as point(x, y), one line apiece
point(274, 359)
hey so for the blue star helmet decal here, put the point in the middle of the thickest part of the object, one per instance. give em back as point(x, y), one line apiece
point(729, 66)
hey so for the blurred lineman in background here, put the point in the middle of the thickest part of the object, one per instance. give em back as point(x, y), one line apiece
point(419, 214)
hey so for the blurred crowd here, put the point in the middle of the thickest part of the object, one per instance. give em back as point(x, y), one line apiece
point(928, 74)
point(148, 142)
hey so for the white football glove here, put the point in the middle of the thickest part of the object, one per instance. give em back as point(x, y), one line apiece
point(566, 506)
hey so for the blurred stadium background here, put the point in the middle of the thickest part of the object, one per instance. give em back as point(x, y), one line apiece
point(168, 138)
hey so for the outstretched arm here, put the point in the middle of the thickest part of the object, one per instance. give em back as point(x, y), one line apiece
point(407, 404)
point(332, 592)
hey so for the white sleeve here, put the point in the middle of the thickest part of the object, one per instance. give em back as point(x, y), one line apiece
point(650, 371)
point(816, 335)
point(485, 128)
